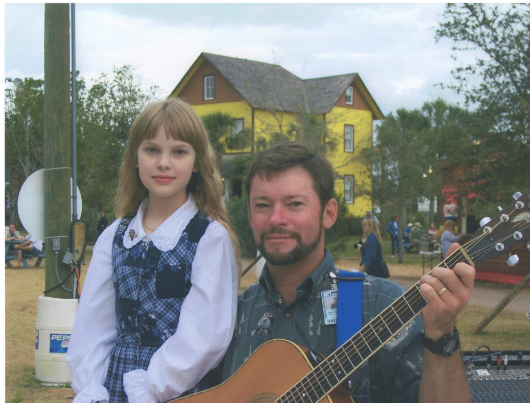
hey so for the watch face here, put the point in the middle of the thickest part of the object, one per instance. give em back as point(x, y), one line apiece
point(450, 346)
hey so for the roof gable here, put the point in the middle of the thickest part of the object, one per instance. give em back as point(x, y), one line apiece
point(270, 86)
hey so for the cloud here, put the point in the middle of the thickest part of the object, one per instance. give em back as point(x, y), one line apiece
point(391, 46)
point(408, 85)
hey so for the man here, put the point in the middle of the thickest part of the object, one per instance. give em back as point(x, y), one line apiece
point(13, 235)
point(393, 229)
point(406, 233)
point(102, 223)
point(291, 204)
point(415, 237)
point(32, 245)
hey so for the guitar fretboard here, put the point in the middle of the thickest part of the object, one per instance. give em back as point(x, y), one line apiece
point(347, 358)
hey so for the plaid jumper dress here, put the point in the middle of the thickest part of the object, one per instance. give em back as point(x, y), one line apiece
point(150, 288)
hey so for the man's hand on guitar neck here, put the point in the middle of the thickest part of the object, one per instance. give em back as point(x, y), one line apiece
point(446, 292)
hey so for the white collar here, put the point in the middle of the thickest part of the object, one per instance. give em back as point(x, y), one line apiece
point(168, 233)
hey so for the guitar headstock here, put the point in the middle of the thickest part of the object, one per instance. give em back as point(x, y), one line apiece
point(499, 235)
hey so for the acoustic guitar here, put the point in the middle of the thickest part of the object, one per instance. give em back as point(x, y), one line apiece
point(279, 370)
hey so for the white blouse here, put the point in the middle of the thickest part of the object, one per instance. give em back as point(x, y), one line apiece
point(205, 326)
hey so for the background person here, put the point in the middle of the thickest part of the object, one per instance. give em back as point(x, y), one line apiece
point(406, 233)
point(448, 236)
point(32, 246)
point(159, 299)
point(370, 215)
point(371, 252)
point(415, 236)
point(393, 229)
point(291, 204)
point(102, 223)
point(12, 234)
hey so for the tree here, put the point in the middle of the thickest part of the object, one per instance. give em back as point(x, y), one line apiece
point(24, 137)
point(400, 160)
point(109, 108)
point(105, 113)
point(498, 85)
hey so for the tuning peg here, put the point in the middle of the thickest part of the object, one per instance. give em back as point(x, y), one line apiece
point(512, 260)
point(484, 221)
point(528, 246)
point(516, 195)
point(500, 208)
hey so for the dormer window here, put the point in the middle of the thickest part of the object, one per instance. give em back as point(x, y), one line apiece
point(349, 96)
point(209, 88)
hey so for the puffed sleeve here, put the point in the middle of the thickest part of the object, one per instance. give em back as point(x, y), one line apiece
point(94, 330)
point(205, 328)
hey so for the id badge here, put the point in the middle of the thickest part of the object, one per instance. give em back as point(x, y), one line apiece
point(329, 305)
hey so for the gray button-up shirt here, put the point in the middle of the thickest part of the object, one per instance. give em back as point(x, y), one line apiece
point(390, 375)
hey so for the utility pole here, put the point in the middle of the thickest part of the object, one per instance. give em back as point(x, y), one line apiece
point(57, 146)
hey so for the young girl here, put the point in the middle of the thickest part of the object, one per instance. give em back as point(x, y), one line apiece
point(159, 299)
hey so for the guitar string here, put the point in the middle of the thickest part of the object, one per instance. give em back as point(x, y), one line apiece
point(340, 367)
point(307, 382)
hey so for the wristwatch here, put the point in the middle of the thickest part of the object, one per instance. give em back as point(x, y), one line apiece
point(446, 346)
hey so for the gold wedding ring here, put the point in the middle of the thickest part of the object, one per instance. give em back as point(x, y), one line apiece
point(442, 291)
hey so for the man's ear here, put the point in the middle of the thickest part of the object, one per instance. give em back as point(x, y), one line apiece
point(330, 213)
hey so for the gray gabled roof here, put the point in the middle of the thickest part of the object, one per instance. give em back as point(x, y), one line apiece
point(323, 93)
point(269, 86)
point(263, 85)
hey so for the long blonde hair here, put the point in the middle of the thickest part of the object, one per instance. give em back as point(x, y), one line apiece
point(375, 229)
point(181, 123)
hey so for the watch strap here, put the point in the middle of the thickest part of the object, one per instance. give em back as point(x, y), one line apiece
point(446, 346)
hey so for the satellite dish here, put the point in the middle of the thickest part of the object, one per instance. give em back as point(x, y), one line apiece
point(31, 204)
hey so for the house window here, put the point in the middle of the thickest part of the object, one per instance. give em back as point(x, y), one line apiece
point(348, 189)
point(237, 126)
point(349, 96)
point(209, 87)
point(348, 138)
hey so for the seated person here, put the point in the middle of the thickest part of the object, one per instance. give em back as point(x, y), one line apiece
point(415, 236)
point(406, 233)
point(13, 235)
point(32, 245)
point(448, 236)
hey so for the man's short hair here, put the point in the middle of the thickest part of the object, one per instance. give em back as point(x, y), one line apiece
point(282, 157)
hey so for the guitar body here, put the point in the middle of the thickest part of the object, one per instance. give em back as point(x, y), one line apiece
point(269, 372)
point(277, 366)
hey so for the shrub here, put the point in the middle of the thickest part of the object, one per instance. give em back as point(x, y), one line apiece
point(237, 211)
point(336, 235)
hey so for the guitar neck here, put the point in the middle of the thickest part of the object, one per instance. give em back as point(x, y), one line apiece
point(334, 369)
point(494, 237)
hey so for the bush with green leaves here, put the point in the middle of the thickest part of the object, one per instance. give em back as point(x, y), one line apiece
point(238, 213)
point(336, 235)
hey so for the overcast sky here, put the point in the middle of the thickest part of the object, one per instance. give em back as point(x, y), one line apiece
point(391, 46)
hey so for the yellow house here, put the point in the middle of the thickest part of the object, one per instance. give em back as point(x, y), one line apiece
point(268, 101)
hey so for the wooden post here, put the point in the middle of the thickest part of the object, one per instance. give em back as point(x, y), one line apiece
point(502, 304)
point(57, 144)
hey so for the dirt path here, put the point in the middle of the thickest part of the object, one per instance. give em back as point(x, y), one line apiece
point(484, 293)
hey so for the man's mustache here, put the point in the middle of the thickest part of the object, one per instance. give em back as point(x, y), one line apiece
point(279, 231)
